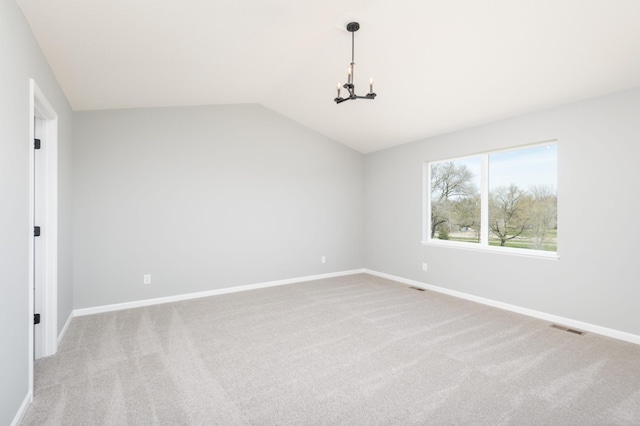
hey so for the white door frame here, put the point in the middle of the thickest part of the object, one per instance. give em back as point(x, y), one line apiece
point(42, 115)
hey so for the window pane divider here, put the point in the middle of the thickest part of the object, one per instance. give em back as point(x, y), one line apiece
point(484, 201)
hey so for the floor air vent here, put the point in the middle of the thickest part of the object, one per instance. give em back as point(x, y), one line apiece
point(570, 330)
point(417, 288)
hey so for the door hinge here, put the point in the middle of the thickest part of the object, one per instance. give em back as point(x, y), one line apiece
point(36, 231)
point(36, 318)
point(36, 144)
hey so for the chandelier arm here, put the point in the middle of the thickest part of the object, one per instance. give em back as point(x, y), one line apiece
point(352, 97)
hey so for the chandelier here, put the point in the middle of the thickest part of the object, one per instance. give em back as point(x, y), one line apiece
point(352, 27)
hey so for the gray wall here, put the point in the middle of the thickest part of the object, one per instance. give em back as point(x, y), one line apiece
point(21, 60)
point(596, 278)
point(206, 198)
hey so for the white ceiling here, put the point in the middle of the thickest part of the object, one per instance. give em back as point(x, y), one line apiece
point(438, 65)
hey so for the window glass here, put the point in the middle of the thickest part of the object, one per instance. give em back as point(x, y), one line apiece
point(515, 208)
point(523, 198)
point(455, 200)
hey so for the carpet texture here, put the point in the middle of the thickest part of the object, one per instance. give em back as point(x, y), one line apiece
point(354, 350)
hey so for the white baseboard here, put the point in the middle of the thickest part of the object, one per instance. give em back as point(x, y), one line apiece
point(609, 332)
point(23, 410)
point(65, 328)
point(177, 298)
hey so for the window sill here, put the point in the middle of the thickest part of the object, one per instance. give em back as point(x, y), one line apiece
point(538, 254)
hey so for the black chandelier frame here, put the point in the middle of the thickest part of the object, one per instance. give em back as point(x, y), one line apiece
point(352, 27)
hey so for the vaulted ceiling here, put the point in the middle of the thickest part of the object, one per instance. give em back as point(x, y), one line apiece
point(438, 65)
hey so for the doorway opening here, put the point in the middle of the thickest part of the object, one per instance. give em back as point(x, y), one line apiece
point(43, 228)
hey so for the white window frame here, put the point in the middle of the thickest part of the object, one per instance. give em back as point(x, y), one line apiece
point(483, 245)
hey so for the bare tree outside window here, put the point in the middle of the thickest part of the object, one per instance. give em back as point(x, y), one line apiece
point(508, 215)
point(455, 200)
point(543, 211)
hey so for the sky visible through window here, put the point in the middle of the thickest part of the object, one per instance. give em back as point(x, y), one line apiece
point(536, 166)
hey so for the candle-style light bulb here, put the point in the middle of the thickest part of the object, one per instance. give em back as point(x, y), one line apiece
point(371, 85)
point(349, 75)
point(338, 89)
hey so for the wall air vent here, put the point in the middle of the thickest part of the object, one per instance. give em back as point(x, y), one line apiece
point(570, 330)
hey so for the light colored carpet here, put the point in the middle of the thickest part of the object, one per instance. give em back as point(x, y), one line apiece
point(355, 350)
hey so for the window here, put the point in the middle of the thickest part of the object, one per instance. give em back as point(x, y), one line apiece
point(500, 201)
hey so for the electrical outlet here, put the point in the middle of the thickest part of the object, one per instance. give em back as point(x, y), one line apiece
point(424, 267)
point(147, 279)
point(323, 259)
